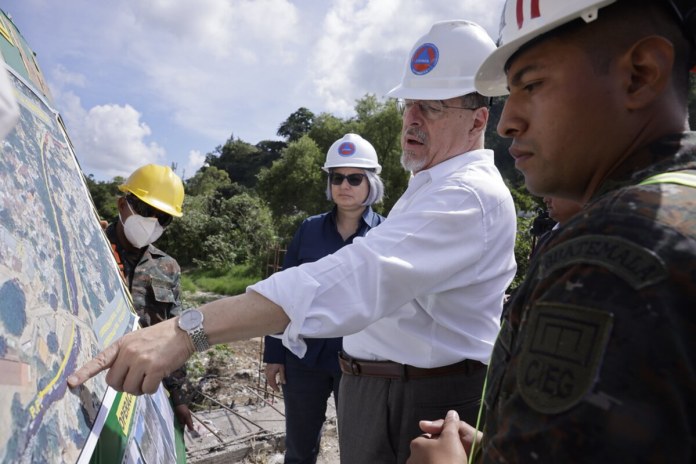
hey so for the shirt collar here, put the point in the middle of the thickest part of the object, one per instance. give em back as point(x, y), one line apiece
point(447, 167)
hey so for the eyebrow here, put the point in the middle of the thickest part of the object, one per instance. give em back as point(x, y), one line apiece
point(517, 77)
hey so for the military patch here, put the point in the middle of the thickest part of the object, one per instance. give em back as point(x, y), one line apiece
point(638, 266)
point(561, 355)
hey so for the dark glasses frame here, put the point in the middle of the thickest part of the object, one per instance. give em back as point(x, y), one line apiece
point(354, 179)
point(143, 209)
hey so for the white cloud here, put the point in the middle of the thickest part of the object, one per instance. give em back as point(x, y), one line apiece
point(363, 45)
point(61, 77)
point(196, 159)
point(198, 72)
point(207, 62)
point(109, 139)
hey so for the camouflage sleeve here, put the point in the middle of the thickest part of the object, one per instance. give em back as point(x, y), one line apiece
point(156, 289)
point(178, 386)
point(596, 362)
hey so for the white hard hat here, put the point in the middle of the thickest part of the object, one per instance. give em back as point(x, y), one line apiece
point(443, 63)
point(352, 151)
point(522, 21)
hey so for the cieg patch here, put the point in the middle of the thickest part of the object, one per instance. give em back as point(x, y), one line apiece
point(561, 355)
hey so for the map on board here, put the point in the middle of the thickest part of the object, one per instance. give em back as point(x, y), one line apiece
point(62, 298)
point(61, 295)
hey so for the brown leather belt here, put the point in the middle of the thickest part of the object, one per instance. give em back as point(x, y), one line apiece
point(392, 370)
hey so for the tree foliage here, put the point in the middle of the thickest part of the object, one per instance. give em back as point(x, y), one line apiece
point(294, 185)
point(104, 196)
point(297, 125)
point(243, 161)
point(207, 181)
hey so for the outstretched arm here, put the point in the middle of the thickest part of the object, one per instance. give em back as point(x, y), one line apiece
point(138, 361)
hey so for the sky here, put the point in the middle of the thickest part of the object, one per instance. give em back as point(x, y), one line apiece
point(168, 81)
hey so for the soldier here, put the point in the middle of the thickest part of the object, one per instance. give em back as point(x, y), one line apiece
point(595, 361)
point(153, 196)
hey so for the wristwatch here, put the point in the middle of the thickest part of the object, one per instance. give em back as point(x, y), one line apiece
point(191, 322)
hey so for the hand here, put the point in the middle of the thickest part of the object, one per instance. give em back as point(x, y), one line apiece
point(444, 441)
point(138, 361)
point(271, 371)
point(183, 415)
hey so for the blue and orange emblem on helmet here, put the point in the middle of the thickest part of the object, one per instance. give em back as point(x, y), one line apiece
point(424, 59)
point(346, 149)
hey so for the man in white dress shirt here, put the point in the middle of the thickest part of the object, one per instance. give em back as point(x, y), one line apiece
point(418, 299)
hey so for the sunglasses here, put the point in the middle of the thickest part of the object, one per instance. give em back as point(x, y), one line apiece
point(353, 179)
point(143, 209)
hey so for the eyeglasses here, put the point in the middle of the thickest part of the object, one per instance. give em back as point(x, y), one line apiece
point(353, 179)
point(143, 209)
point(431, 109)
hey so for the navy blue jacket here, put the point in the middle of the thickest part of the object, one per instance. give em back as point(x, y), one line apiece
point(317, 237)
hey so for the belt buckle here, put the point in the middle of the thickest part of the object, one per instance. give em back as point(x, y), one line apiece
point(354, 367)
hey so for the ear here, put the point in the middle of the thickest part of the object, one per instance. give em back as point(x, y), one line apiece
point(121, 203)
point(649, 65)
point(480, 120)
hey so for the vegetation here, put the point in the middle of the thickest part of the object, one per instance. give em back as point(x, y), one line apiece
point(248, 198)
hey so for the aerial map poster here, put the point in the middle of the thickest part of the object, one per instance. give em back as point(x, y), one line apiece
point(61, 295)
point(62, 299)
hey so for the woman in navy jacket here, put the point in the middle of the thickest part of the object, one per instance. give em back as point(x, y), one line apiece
point(353, 185)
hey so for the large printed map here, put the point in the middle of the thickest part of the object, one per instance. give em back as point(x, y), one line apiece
point(61, 298)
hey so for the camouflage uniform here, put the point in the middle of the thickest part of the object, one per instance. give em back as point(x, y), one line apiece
point(595, 361)
point(153, 280)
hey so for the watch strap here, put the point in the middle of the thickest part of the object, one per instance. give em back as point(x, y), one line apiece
point(199, 339)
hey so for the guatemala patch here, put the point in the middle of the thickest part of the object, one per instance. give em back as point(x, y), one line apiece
point(636, 265)
point(424, 59)
point(561, 355)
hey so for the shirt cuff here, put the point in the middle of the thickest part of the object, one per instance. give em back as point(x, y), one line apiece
point(293, 290)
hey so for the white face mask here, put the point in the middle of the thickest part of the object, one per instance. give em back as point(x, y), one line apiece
point(141, 231)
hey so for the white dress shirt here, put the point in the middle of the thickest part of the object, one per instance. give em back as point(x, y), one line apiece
point(424, 288)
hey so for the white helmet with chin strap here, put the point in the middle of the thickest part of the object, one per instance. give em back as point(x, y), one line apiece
point(442, 64)
point(352, 151)
point(525, 20)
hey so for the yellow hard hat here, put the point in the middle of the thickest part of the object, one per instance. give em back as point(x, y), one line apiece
point(158, 186)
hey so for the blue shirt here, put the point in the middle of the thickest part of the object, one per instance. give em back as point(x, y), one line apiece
point(317, 237)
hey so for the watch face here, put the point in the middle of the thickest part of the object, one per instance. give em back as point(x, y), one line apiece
point(190, 319)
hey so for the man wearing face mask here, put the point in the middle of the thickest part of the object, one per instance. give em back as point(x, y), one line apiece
point(153, 196)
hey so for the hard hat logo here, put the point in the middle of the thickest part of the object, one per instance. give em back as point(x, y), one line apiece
point(346, 149)
point(424, 59)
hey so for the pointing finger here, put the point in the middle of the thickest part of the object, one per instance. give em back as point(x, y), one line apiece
point(102, 361)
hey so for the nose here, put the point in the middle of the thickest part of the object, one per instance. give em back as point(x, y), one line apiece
point(511, 123)
point(413, 116)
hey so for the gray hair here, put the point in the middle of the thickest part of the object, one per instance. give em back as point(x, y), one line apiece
point(376, 186)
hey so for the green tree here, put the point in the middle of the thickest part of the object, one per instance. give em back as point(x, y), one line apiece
point(327, 129)
point(207, 181)
point(294, 186)
point(298, 124)
point(217, 233)
point(241, 160)
point(379, 122)
point(104, 195)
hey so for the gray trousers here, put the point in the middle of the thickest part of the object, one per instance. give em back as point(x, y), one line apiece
point(378, 418)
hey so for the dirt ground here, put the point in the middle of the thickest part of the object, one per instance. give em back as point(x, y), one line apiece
point(231, 376)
